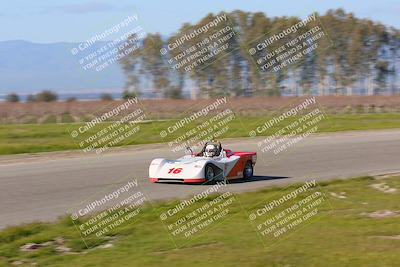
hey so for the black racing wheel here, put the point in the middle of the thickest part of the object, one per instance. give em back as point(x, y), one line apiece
point(248, 170)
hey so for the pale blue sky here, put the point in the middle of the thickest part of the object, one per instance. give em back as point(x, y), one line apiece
point(47, 21)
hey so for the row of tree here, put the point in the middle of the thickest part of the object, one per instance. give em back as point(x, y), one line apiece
point(50, 96)
point(44, 96)
point(363, 59)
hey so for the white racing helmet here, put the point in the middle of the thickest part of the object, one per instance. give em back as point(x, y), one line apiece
point(210, 150)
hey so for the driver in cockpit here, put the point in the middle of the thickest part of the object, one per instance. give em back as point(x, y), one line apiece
point(211, 149)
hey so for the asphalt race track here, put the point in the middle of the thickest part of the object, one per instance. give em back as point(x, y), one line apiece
point(43, 187)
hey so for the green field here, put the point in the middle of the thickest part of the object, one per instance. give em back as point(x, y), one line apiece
point(31, 138)
point(343, 233)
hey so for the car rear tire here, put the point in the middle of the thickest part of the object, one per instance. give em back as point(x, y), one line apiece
point(248, 170)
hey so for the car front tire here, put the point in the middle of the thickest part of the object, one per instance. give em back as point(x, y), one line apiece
point(209, 172)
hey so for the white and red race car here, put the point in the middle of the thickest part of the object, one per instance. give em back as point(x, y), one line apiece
point(212, 164)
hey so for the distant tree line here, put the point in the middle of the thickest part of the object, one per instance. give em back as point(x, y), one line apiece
point(50, 96)
point(44, 96)
point(363, 60)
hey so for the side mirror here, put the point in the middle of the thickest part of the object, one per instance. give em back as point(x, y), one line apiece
point(189, 151)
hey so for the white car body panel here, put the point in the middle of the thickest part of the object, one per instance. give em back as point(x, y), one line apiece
point(191, 167)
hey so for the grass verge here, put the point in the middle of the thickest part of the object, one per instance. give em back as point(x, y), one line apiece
point(34, 138)
point(344, 234)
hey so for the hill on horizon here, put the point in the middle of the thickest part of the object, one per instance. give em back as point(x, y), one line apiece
point(28, 67)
